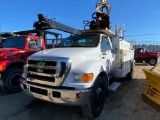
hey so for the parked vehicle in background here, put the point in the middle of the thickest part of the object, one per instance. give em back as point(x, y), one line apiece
point(143, 55)
point(14, 53)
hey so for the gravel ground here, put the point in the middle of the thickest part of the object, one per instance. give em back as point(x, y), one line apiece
point(123, 104)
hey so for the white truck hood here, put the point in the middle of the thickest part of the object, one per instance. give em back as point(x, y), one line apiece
point(72, 53)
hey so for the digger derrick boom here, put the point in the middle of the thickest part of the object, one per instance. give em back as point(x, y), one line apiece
point(62, 27)
point(45, 23)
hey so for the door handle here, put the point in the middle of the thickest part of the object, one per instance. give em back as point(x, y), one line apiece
point(103, 56)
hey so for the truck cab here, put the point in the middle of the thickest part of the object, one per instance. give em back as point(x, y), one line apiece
point(14, 54)
point(142, 54)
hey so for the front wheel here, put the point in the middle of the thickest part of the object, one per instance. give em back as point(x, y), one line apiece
point(96, 100)
point(10, 80)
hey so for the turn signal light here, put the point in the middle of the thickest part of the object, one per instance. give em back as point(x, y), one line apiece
point(1, 68)
point(87, 77)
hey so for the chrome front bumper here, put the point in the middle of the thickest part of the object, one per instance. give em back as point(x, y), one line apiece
point(60, 96)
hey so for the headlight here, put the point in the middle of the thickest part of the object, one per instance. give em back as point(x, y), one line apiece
point(83, 77)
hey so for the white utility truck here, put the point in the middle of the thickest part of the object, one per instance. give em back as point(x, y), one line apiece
point(82, 68)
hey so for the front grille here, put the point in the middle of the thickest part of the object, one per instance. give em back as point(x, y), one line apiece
point(43, 78)
point(48, 71)
point(42, 70)
point(63, 68)
point(48, 63)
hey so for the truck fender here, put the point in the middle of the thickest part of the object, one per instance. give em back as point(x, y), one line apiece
point(89, 66)
point(14, 64)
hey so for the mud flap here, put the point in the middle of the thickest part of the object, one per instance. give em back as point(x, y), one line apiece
point(152, 92)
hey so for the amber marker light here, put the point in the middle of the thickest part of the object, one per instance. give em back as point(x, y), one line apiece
point(87, 77)
point(1, 68)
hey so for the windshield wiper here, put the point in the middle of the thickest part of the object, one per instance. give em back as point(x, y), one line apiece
point(71, 46)
point(60, 46)
point(77, 46)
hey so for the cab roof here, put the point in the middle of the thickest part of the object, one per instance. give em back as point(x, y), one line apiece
point(36, 32)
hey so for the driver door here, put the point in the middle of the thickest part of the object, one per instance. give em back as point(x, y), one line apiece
point(141, 53)
point(106, 56)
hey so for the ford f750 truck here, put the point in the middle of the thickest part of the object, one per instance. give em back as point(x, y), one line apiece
point(81, 70)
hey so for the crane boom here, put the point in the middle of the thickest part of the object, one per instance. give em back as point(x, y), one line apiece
point(45, 23)
point(62, 27)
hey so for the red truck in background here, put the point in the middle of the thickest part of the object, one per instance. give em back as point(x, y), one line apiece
point(141, 54)
point(14, 53)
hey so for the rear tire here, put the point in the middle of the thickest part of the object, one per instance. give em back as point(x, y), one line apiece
point(152, 61)
point(10, 80)
point(96, 100)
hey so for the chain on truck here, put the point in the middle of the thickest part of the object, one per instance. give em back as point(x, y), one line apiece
point(81, 70)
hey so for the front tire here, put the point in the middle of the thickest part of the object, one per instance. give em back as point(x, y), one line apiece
point(96, 100)
point(10, 80)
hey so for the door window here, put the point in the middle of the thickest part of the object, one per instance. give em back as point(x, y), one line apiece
point(105, 44)
point(33, 45)
point(142, 51)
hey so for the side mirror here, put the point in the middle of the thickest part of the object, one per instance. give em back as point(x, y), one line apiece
point(115, 41)
point(114, 51)
point(39, 42)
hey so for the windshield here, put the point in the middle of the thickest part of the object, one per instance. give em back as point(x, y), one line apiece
point(17, 42)
point(90, 40)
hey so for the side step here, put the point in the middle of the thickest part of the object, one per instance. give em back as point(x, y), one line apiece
point(114, 86)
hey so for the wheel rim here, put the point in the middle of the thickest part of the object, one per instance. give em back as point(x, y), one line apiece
point(152, 62)
point(15, 80)
point(99, 99)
